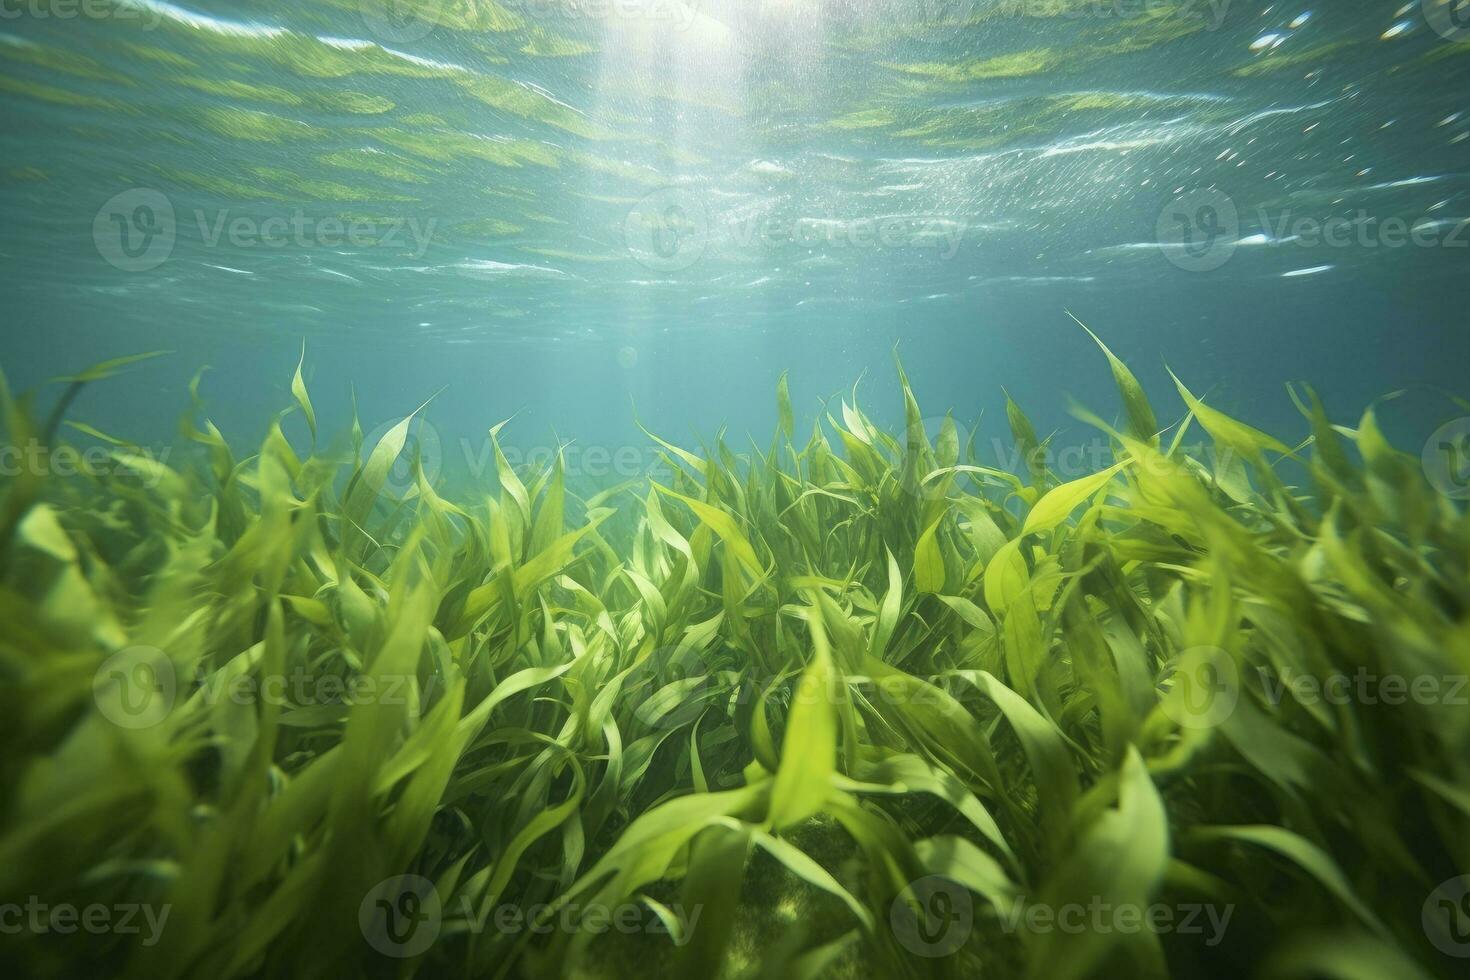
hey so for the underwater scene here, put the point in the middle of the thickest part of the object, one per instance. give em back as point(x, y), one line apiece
point(735, 489)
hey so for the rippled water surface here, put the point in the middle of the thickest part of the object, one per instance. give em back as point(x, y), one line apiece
point(566, 207)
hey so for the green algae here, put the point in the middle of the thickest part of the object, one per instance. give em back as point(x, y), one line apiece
point(451, 145)
point(376, 163)
point(488, 228)
point(874, 118)
point(225, 187)
point(234, 88)
point(296, 185)
point(522, 100)
point(42, 92)
point(1018, 64)
point(357, 103)
point(777, 687)
point(58, 60)
point(253, 125)
point(542, 43)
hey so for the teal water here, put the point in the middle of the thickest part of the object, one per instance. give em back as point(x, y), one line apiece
point(562, 210)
